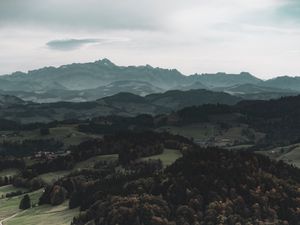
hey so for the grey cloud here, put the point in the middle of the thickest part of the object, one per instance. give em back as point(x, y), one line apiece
point(111, 14)
point(71, 44)
point(88, 14)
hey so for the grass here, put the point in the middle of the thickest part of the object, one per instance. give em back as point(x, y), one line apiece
point(196, 131)
point(29, 161)
point(9, 188)
point(89, 163)
point(292, 157)
point(68, 134)
point(51, 177)
point(9, 172)
point(45, 215)
point(289, 154)
point(10, 206)
point(210, 133)
point(168, 157)
point(239, 147)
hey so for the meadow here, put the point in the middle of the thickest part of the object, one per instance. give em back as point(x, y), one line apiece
point(10, 206)
point(45, 215)
point(168, 156)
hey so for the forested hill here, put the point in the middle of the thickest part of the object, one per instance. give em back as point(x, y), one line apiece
point(205, 186)
point(279, 118)
point(122, 104)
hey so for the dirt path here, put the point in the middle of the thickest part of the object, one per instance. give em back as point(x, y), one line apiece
point(8, 218)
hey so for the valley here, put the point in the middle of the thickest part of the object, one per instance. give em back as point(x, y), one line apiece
point(164, 148)
point(149, 112)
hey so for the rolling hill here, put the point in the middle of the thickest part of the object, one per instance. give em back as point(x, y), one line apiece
point(285, 82)
point(254, 92)
point(123, 104)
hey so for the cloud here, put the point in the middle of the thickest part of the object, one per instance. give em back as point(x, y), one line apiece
point(71, 44)
point(192, 35)
point(87, 15)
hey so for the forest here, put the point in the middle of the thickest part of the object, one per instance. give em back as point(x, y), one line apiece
point(206, 185)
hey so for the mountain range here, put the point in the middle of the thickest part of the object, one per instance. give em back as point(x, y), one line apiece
point(80, 82)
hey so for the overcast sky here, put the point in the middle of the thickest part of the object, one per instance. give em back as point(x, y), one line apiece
point(194, 36)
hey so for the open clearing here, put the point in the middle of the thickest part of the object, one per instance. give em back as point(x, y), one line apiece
point(44, 215)
point(40, 215)
point(196, 131)
point(9, 172)
point(89, 163)
point(168, 157)
point(289, 154)
point(207, 134)
point(68, 134)
point(10, 206)
point(9, 188)
point(51, 177)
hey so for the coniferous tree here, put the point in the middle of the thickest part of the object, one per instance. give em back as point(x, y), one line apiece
point(25, 202)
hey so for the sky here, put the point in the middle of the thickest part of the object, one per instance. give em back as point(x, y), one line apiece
point(194, 36)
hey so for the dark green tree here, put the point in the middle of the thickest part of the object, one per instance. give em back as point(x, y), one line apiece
point(44, 131)
point(25, 202)
point(74, 200)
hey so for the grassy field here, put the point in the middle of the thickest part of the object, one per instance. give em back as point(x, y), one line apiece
point(239, 147)
point(39, 215)
point(51, 177)
point(292, 157)
point(168, 157)
point(196, 131)
point(213, 134)
point(10, 206)
point(9, 188)
point(9, 172)
point(68, 134)
point(89, 163)
point(289, 154)
point(45, 215)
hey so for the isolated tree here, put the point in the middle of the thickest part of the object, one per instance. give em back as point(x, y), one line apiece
point(25, 202)
point(58, 195)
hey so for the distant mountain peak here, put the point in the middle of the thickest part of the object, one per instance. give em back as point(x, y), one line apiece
point(93, 80)
point(105, 62)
